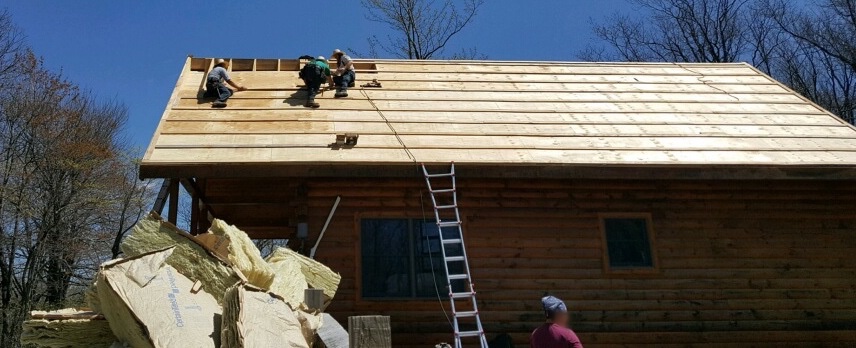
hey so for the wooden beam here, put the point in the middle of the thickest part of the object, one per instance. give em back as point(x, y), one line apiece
point(207, 214)
point(369, 332)
point(195, 207)
point(160, 202)
point(173, 201)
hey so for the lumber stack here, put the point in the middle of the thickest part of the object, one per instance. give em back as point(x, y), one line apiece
point(173, 289)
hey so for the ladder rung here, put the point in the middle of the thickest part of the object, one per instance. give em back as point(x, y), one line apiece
point(446, 206)
point(462, 294)
point(440, 175)
point(448, 223)
point(458, 276)
point(443, 191)
point(469, 333)
point(454, 258)
point(469, 314)
point(451, 241)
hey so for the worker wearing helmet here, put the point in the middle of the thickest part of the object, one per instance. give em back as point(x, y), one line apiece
point(344, 76)
point(555, 332)
point(314, 73)
point(215, 84)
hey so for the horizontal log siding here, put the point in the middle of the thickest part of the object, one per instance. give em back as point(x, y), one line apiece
point(741, 263)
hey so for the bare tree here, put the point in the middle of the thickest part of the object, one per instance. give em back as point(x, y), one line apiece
point(816, 51)
point(421, 28)
point(11, 44)
point(812, 51)
point(676, 31)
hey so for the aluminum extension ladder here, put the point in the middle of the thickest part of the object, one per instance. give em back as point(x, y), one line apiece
point(462, 294)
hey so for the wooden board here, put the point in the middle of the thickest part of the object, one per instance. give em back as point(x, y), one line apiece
point(502, 113)
point(742, 263)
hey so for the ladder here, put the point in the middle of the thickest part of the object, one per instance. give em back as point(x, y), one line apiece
point(462, 294)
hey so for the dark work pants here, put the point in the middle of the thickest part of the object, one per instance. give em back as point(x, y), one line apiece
point(312, 87)
point(217, 90)
point(344, 81)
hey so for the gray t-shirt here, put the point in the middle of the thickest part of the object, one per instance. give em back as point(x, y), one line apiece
point(219, 74)
point(344, 64)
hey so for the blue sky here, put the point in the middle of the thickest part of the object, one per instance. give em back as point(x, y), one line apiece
point(133, 50)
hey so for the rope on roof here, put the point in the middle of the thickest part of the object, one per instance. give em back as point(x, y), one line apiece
point(388, 124)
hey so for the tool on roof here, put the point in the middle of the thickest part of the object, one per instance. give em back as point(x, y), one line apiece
point(373, 84)
point(462, 293)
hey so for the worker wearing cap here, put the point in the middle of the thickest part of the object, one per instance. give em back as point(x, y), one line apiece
point(344, 75)
point(215, 84)
point(555, 332)
point(314, 74)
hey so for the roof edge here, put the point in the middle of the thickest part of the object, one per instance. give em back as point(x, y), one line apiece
point(719, 172)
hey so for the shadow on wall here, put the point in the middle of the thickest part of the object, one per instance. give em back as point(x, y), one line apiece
point(501, 341)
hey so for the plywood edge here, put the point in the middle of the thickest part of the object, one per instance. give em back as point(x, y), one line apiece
point(174, 97)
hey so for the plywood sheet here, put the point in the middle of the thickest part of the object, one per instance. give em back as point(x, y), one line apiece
point(550, 113)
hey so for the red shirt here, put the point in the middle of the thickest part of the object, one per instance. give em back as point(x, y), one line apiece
point(554, 336)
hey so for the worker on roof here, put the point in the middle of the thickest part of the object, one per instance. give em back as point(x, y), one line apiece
point(314, 74)
point(555, 332)
point(344, 75)
point(215, 85)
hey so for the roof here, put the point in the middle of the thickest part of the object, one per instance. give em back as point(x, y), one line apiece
point(497, 114)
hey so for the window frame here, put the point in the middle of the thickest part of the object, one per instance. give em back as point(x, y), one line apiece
point(649, 226)
point(358, 264)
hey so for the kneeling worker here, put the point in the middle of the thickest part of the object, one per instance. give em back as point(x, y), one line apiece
point(215, 85)
point(555, 332)
point(345, 75)
point(313, 75)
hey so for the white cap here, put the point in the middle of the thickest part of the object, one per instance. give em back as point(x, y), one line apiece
point(321, 58)
point(219, 61)
point(337, 51)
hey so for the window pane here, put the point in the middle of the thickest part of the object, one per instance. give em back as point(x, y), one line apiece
point(628, 243)
point(385, 258)
point(430, 275)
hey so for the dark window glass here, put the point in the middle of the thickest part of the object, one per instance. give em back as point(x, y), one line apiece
point(628, 242)
point(401, 258)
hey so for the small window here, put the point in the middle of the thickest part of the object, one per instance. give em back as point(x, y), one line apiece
point(401, 259)
point(628, 242)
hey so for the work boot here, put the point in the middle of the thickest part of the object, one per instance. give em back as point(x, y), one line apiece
point(218, 104)
point(341, 94)
point(312, 104)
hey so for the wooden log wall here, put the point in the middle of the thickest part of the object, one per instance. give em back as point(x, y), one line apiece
point(741, 263)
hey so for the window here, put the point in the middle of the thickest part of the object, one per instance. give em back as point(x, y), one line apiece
point(628, 240)
point(397, 259)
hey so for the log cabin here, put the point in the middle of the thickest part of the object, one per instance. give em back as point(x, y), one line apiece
point(669, 205)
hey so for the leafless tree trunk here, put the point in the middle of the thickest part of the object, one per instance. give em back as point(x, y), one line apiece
point(421, 28)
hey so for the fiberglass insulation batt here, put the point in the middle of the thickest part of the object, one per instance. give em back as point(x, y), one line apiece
point(70, 332)
point(253, 317)
point(289, 282)
point(317, 275)
point(149, 304)
point(244, 255)
point(189, 257)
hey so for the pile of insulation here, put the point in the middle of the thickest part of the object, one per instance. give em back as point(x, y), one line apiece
point(173, 289)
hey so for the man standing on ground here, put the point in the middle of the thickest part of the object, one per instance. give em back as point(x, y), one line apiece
point(345, 75)
point(314, 74)
point(215, 85)
point(555, 332)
